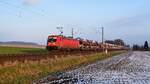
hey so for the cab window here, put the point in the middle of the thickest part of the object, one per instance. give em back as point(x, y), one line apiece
point(52, 39)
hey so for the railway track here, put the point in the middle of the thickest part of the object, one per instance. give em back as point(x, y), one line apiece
point(38, 56)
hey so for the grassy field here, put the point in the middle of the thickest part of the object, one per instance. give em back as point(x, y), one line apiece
point(25, 73)
point(16, 50)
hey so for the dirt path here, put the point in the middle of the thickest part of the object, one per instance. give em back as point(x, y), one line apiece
point(129, 68)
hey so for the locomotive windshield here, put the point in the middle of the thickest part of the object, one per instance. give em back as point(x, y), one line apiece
point(52, 39)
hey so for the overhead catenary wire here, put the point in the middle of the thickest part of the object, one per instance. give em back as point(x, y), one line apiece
point(41, 13)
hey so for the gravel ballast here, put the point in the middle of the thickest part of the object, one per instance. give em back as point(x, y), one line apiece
point(127, 68)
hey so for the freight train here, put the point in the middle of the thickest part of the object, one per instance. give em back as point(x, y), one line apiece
point(59, 42)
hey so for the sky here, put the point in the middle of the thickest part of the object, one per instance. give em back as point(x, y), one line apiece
point(34, 20)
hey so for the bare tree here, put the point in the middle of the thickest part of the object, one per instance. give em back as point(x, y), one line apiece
point(119, 42)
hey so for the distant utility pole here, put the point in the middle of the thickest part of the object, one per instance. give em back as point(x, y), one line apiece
point(60, 30)
point(102, 35)
point(72, 33)
point(103, 40)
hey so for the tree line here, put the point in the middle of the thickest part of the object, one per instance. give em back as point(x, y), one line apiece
point(144, 47)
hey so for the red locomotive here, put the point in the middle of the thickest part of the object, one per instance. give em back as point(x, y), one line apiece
point(61, 42)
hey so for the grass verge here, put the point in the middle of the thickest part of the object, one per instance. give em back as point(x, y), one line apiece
point(19, 50)
point(25, 73)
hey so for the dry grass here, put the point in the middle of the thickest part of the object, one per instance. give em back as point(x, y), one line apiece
point(25, 73)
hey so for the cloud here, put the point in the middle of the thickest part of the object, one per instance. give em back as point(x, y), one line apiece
point(31, 2)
